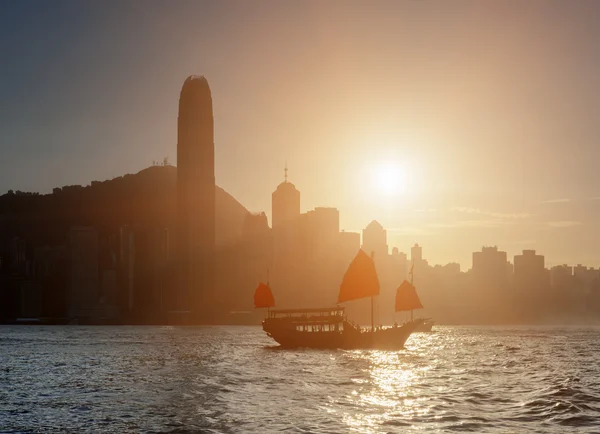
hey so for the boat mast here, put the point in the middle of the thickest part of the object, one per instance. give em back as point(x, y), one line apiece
point(372, 320)
point(412, 275)
point(372, 324)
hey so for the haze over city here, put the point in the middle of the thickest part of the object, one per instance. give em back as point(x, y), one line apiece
point(454, 124)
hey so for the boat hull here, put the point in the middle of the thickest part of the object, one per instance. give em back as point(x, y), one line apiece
point(349, 337)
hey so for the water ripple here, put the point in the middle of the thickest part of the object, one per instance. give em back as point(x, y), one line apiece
point(232, 379)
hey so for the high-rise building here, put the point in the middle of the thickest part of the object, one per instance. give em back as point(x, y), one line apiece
point(83, 298)
point(585, 277)
point(374, 240)
point(324, 227)
point(285, 203)
point(349, 245)
point(561, 276)
point(398, 264)
point(490, 269)
point(529, 271)
point(416, 254)
point(196, 197)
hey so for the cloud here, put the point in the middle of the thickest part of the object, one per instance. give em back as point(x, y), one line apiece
point(495, 215)
point(471, 224)
point(562, 200)
point(564, 224)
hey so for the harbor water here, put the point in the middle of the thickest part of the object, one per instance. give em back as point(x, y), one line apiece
point(235, 380)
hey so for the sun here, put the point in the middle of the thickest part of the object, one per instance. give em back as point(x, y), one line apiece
point(390, 179)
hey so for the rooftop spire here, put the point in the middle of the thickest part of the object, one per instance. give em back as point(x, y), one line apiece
point(285, 171)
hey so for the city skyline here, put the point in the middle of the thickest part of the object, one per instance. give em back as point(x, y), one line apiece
point(494, 135)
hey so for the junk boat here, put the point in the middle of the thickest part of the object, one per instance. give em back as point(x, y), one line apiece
point(408, 300)
point(329, 327)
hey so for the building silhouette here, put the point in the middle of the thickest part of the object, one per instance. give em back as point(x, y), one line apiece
point(416, 254)
point(196, 198)
point(561, 276)
point(529, 272)
point(322, 229)
point(285, 206)
point(374, 240)
point(349, 243)
point(285, 202)
point(490, 269)
point(84, 284)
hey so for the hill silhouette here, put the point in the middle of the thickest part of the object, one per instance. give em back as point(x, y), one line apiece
point(143, 200)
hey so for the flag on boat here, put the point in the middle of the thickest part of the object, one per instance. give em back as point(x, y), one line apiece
point(407, 298)
point(263, 296)
point(360, 280)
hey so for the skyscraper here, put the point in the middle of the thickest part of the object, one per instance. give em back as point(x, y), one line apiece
point(196, 197)
point(285, 204)
point(416, 254)
point(490, 270)
point(374, 240)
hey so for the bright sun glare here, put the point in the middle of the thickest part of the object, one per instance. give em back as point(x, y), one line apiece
point(390, 179)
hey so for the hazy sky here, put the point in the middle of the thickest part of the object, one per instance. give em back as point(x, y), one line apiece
point(489, 109)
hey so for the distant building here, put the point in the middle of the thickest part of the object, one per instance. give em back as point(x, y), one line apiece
point(452, 268)
point(255, 225)
point(83, 285)
point(324, 229)
point(586, 278)
point(349, 244)
point(144, 255)
point(398, 266)
point(530, 272)
point(46, 259)
point(285, 219)
point(18, 261)
point(50, 269)
point(374, 240)
point(490, 269)
point(421, 267)
point(126, 266)
point(416, 254)
point(285, 202)
point(561, 276)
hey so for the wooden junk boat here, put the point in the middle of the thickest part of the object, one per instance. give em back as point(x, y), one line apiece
point(329, 327)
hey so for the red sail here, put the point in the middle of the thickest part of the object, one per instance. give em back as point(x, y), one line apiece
point(360, 280)
point(407, 298)
point(263, 297)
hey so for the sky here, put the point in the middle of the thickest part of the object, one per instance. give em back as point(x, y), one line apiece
point(486, 112)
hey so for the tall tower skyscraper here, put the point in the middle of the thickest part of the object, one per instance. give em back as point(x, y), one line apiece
point(196, 197)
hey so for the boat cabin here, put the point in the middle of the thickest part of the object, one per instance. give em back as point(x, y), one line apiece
point(310, 320)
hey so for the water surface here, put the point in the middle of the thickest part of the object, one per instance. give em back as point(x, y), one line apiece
point(232, 380)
